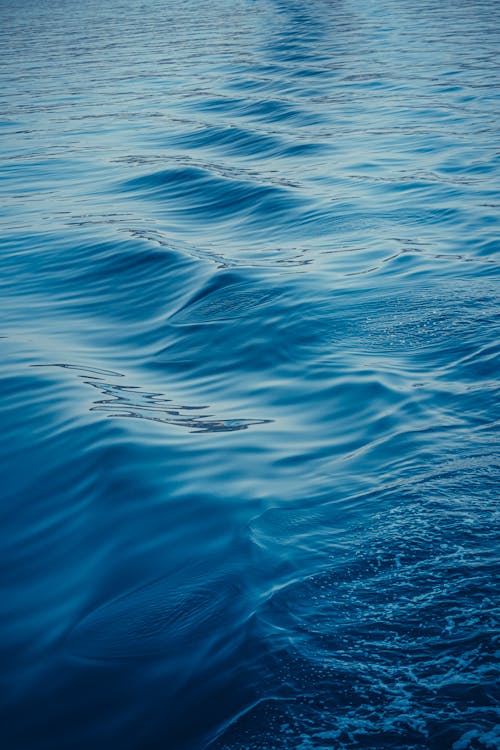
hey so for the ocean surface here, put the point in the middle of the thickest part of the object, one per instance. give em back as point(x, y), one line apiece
point(249, 396)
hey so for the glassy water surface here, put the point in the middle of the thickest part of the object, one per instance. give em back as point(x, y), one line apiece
point(249, 356)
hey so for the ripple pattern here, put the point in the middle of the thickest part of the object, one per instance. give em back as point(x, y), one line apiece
point(249, 375)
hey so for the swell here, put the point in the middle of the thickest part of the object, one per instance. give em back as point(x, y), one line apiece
point(248, 143)
point(250, 209)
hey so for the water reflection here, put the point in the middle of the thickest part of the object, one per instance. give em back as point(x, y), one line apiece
point(132, 401)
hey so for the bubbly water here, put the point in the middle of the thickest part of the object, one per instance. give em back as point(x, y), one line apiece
point(249, 397)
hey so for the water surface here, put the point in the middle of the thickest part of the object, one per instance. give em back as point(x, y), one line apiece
point(249, 355)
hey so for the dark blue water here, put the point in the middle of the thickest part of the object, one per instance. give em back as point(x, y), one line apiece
point(248, 374)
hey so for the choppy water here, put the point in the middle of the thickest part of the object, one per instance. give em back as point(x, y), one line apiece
point(248, 372)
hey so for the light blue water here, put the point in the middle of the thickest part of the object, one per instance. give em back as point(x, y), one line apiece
point(248, 375)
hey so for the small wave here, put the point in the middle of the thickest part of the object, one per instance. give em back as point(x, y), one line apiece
point(400, 634)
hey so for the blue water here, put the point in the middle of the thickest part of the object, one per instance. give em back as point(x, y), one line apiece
point(248, 374)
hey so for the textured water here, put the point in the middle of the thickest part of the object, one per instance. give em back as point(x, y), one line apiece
point(248, 375)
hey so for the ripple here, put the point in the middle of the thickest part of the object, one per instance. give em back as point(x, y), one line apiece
point(185, 611)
